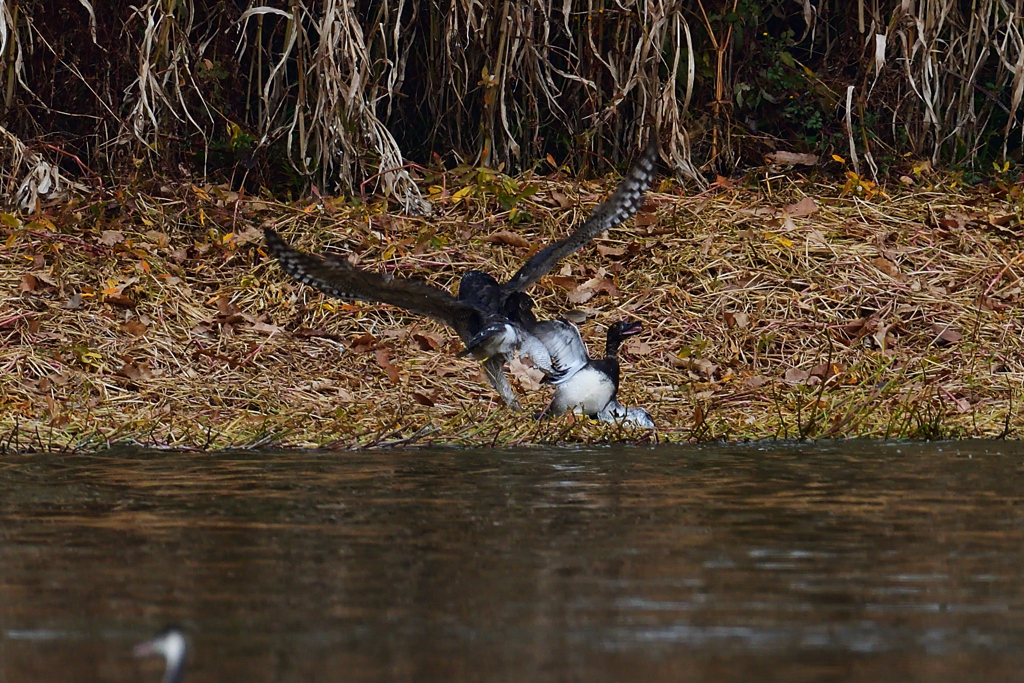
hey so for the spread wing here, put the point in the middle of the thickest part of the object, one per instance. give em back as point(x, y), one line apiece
point(338, 278)
point(624, 202)
point(565, 346)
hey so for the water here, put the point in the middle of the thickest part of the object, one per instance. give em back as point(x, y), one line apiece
point(861, 562)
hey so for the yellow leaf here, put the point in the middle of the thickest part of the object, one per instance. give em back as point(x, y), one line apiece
point(202, 218)
point(227, 238)
point(462, 194)
point(838, 158)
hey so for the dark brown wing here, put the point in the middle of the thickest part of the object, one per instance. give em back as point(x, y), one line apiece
point(338, 278)
point(624, 202)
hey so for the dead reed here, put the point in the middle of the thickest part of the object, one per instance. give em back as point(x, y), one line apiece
point(333, 96)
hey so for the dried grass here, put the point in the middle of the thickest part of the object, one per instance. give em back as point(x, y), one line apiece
point(872, 316)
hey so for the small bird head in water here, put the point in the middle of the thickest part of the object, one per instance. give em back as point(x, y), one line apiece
point(173, 646)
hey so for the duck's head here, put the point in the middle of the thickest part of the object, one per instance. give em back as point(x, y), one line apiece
point(625, 328)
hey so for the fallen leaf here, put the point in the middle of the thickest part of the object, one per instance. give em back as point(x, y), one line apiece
point(636, 347)
point(566, 283)
point(423, 399)
point(561, 200)
point(135, 328)
point(755, 382)
point(28, 283)
point(575, 315)
point(697, 365)
point(945, 335)
point(446, 370)
point(426, 341)
point(507, 237)
point(610, 251)
point(135, 371)
point(225, 306)
point(827, 371)
point(385, 364)
point(792, 158)
point(592, 287)
point(119, 300)
point(644, 219)
point(110, 237)
point(265, 327)
point(528, 376)
point(73, 303)
point(889, 268)
point(363, 343)
point(804, 207)
point(738, 320)
point(796, 376)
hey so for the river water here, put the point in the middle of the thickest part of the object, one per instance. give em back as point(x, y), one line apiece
point(768, 562)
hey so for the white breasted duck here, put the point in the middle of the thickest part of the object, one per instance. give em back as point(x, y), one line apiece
point(584, 385)
point(477, 315)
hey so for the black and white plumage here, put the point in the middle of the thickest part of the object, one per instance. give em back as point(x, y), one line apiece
point(585, 385)
point(172, 645)
point(478, 314)
point(581, 384)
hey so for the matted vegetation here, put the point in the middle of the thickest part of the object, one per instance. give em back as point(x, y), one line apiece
point(788, 309)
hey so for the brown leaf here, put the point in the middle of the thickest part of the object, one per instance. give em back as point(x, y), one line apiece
point(638, 348)
point(426, 341)
point(446, 370)
point(945, 335)
point(796, 375)
point(610, 251)
point(889, 268)
point(592, 287)
point(804, 207)
point(385, 363)
point(561, 200)
point(791, 158)
point(260, 326)
point(566, 283)
point(529, 377)
point(136, 371)
point(225, 306)
point(507, 237)
point(755, 382)
point(363, 343)
point(119, 300)
point(136, 328)
point(738, 320)
point(827, 371)
point(424, 399)
point(696, 365)
point(28, 283)
point(110, 237)
point(645, 219)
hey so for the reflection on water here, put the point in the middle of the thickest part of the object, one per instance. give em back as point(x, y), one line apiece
point(851, 561)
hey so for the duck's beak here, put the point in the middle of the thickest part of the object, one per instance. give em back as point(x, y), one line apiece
point(632, 328)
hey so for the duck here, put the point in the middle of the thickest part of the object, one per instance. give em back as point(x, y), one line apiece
point(582, 384)
point(172, 644)
point(478, 313)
